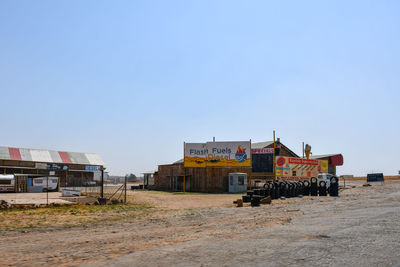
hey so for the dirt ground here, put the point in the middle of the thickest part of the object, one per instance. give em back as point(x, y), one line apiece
point(34, 198)
point(361, 227)
point(179, 201)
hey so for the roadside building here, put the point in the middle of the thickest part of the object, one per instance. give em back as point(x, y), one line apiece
point(176, 177)
point(71, 168)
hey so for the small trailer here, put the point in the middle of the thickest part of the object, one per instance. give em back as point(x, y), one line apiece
point(7, 183)
point(46, 183)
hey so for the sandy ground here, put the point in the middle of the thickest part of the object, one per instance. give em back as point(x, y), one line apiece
point(177, 201)
point(33, 198)
point(360, 228)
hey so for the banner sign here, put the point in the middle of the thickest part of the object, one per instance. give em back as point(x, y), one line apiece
point(92, 168)
point(298, 168)
point(52, 166)
point(262, 151)
point(218, 154)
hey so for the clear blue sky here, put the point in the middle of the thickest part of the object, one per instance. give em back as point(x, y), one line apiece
point(133, 80)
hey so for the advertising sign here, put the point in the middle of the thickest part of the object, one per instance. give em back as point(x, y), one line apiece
point(92, 168)
point(52, 166)
point(262, 160)
point(218, 154)
point(262, 151)
point(297, 168)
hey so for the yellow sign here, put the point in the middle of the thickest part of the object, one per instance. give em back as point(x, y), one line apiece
point(217, 154)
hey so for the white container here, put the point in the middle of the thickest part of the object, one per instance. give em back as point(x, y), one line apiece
point(237, 182)
point(70, 193)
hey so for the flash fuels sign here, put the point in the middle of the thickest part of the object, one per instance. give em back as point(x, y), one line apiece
point(217, 154)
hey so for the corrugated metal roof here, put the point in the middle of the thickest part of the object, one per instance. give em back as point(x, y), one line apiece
point(322, 156)
point(261, 144)
point(49, 156)
point(178, 161)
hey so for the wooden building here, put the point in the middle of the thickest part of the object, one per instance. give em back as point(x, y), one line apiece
point(174, 177)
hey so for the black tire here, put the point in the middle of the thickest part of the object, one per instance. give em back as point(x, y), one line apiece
point(246, 199)
point(322, 188)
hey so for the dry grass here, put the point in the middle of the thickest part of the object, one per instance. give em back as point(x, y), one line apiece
point(364, 178)
point(140, 205)
point(73, 215)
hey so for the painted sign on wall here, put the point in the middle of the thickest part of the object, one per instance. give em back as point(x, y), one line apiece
point(295, 168)
point(217, 154)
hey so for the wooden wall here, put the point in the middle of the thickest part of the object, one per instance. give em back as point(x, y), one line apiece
point(210, 180)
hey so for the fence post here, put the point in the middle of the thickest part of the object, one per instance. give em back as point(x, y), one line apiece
point(102, 184)
point(125, 190)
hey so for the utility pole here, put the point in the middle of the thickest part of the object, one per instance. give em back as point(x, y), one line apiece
point(274, 159)
point(184, 170)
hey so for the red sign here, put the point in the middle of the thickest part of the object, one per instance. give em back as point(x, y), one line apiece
point(280, 161)
point(303, 161)
point(262, 151)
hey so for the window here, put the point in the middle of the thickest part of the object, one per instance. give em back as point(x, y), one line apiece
point(5, 181)
point(231, 180)
point(294, 173)
point(54, 181)
point(241, 180)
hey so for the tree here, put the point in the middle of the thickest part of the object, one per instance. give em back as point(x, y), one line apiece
point(131, 177)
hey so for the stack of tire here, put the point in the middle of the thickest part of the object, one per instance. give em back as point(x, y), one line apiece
point(313, 186)
point(283, 188)
point(247, 198)
point(277, 190)
point(322, 190)
point(306, 188)
point(334, 187)
point(268, 189)
point(255, 200)
point(300, 188)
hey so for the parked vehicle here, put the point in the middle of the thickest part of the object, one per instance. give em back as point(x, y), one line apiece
point(7, 183)
point(47, 183)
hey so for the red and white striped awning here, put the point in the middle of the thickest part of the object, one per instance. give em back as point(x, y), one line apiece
point(49, 156)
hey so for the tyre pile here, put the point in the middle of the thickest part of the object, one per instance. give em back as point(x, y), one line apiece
point(283, 190)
